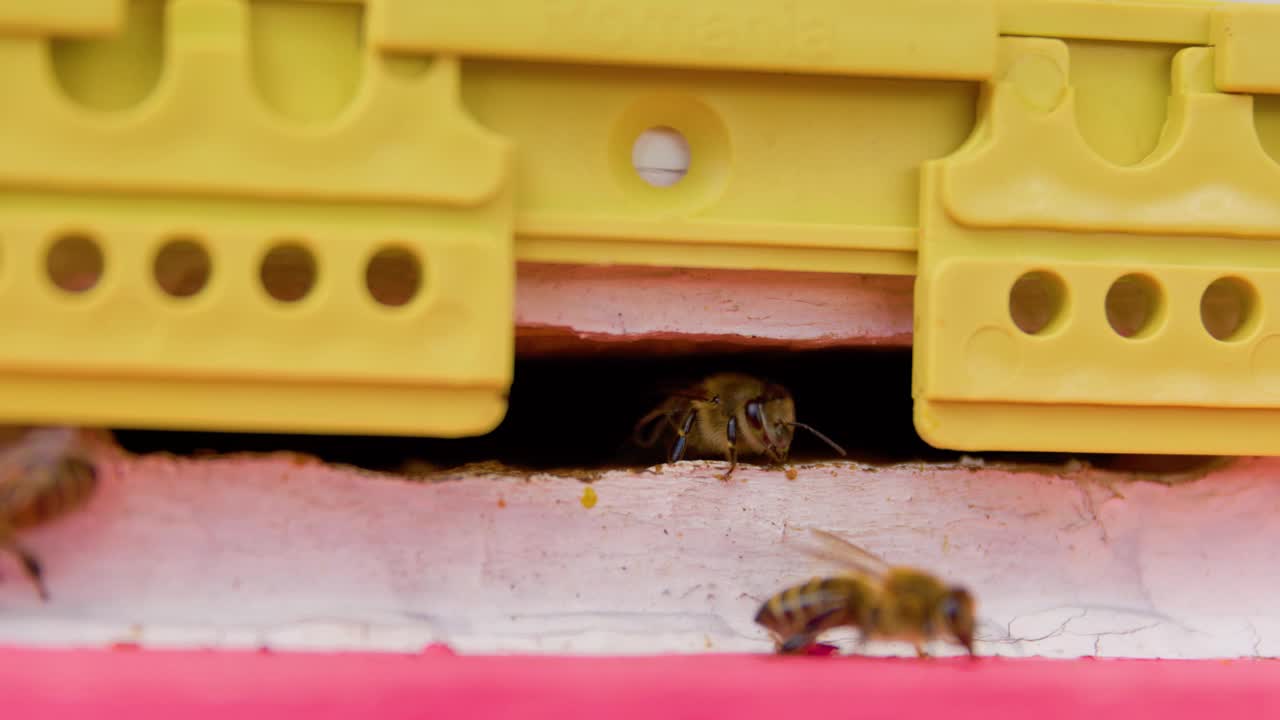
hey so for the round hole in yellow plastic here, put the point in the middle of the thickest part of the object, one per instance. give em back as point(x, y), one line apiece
point(689, 179)
point(1134, 305)
point(661, 156)
point(1037, 301)
point(1228, 308)
point(393, 276)
point(75, 262)
point(288, 272)
point(182, 267)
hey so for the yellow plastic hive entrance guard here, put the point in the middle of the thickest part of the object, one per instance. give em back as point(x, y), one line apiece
point(1065, 302)
point(195, 260)
point(304, 215)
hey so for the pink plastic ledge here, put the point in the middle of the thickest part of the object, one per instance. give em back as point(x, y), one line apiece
point(38, 683)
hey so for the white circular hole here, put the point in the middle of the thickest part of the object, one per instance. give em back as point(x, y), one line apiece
point(661, 156)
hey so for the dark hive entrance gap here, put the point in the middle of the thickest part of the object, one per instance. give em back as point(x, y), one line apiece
point(578, 413)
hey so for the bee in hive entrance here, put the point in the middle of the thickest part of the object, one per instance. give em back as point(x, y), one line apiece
point(42, 479)
point(881, 601)
point(726, 414)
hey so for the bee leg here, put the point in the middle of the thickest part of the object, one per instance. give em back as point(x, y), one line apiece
point(920, 653)
point(682, 436)
point(797, 643)
point(731, 434)
point(30, 565)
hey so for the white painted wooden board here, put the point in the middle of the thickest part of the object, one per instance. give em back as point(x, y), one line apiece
point(283, 553)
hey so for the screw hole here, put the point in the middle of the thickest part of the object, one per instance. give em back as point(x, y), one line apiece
point(1036, 301)
point(393, 276)
point(75, 263)
point(288, 272)
point(661, 156)
point(182, 268)
point(1133, 303)
point(1227, 308)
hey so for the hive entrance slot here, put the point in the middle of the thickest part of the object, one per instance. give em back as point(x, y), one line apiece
point(578, 414)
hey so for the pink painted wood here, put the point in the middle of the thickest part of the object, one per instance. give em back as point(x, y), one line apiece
point(563, 308)
point(194, 686)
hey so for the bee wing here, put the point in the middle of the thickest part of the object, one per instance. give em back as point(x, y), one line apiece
point(844, 553)
point(688, 392)
point(11, 475)
point(23, 474)
point(676, 399)
point(656, 421)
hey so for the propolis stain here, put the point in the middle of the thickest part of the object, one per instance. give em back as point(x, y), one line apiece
point(589, 497)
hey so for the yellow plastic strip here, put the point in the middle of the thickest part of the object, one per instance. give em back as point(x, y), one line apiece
point(1184, 22)
point(947, 39)
point(64, 18)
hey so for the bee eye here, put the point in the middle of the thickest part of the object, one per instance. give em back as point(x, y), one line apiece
point(755, 415)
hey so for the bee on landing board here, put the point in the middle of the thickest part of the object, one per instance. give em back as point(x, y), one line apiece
point(42, 478)
point(881, 601)
point(728, 415)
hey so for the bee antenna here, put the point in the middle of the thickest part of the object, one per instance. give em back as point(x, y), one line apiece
point(821, 437)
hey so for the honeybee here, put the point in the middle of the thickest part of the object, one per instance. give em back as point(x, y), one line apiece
point(42, 479)
point(727, 414)
point(881, 601)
